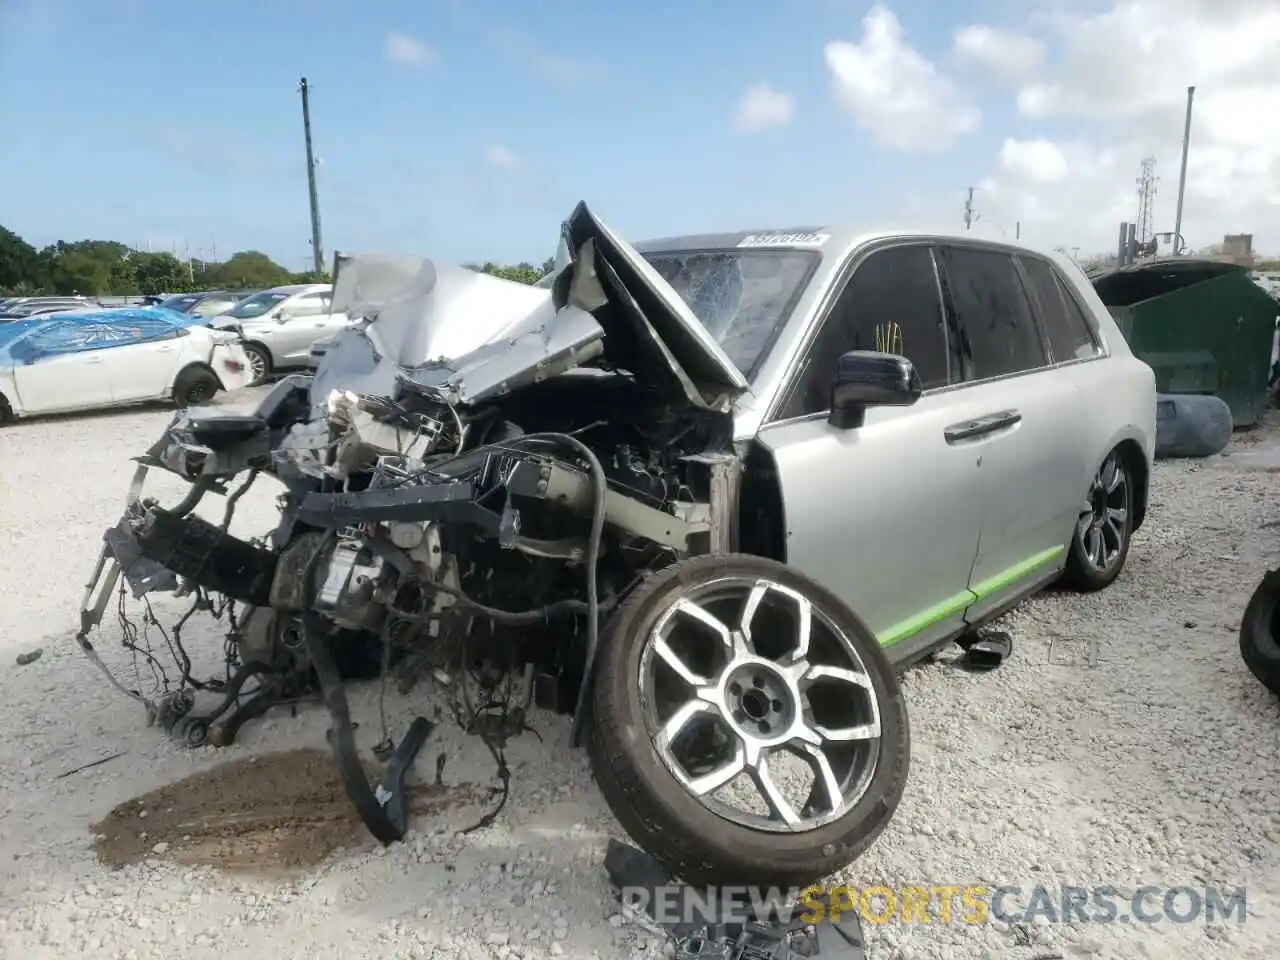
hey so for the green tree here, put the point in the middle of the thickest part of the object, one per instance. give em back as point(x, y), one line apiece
point(153, 273)
point(20, 264)
point(251, 268)
point(520, 273)
point(105, 267)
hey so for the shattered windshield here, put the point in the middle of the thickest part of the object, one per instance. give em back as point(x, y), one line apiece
point(743, 297)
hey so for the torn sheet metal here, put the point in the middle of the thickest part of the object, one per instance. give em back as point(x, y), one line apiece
point(677, 329)
point(469, 337)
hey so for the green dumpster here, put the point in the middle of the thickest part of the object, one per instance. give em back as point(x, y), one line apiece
point(1203, 326)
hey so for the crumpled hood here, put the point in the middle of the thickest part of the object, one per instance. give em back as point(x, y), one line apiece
point(469, 337)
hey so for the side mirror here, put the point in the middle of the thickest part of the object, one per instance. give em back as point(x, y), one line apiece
point(284, 316)
point(864, 379)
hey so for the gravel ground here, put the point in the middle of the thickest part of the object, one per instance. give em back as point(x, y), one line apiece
point(1157, 765)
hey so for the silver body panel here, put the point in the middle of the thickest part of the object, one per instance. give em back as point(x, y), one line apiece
point(922, 538)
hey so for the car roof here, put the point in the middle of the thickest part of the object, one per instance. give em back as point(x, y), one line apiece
point(837, 241)
point(297, 287)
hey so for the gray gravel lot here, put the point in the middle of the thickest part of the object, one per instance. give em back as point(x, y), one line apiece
point(1137, 751)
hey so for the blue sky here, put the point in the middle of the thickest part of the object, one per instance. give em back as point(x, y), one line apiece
point(179, 123)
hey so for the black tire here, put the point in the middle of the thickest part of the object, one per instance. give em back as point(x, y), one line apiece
point(1259, 628)
point(195, 386)
point(692, 841)
point(6, 411)
point(1082, 574)
point(259, 360)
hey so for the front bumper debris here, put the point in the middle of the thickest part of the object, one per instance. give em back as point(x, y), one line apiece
point(152, 550)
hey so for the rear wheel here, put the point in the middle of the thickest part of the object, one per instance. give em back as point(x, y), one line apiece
point(746, 725)
point(195, 386)
point(259, 363)
point(1100, 543)
point(1260, 632)
point(6, 411)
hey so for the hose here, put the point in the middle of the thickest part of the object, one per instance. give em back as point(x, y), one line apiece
point(601, 490)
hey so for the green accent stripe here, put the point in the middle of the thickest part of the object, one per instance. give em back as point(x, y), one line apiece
point(927, 618)
point(1007, 578)
point(981, 591)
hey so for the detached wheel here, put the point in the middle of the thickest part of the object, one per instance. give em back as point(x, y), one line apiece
point(259, 363)
point(1259, 630)
point(746, 725)
point(195, 386)
point(1100, 543)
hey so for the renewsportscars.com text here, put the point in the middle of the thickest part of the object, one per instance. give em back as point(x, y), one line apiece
point(969, 904)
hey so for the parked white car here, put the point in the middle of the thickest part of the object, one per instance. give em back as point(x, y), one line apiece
point(279, 326)
point(82, 363)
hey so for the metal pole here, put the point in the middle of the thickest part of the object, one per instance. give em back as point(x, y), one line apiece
point(1121, 259)
point(1182, 175)
point(1017, 230)
point(316, 252)
point(968, 210)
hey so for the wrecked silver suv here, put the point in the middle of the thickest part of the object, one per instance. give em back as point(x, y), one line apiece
point(503, 487)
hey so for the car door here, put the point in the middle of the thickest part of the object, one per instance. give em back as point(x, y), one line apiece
point(886, 515)
point(142, 357)
point(61, 367)
point(306, 320)
point(1032, 449)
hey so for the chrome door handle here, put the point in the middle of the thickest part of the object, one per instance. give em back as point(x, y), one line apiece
point(92, 359)
point(981, 427)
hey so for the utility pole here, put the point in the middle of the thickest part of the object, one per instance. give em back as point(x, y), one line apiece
point(316, 252)
point(968, 210)
point(1017, 230)
point(1182, 176)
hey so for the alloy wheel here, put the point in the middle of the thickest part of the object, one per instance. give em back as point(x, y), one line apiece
point(742, 676)
point(1104, 516)
point(257, 365)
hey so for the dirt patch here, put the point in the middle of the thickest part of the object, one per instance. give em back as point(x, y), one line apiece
point(278, 812)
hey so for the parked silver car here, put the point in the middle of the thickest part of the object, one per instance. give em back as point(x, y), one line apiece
point(780, 464)
point(280, 324)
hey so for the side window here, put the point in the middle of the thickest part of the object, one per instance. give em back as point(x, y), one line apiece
point(993, 312)
point(1069, 336)
point(310, 305)
point(890, 304)
point(1086, 344)
point(57, 339)
point(139, 330)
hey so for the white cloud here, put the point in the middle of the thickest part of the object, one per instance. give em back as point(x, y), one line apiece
point(1009, 57)
point(565, 70)
point(761, 108)
point(402, 48)
point(501, 158)
point(1119, 84)
point(894, 93)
